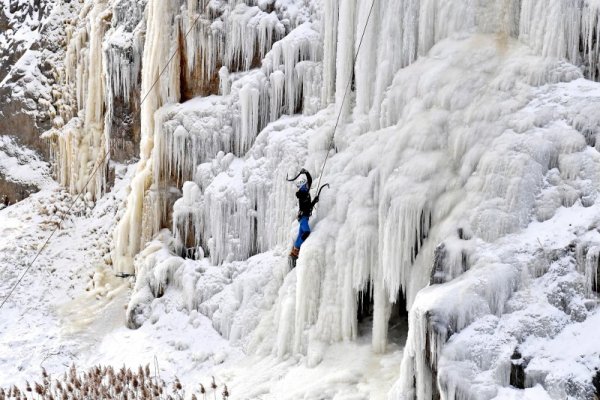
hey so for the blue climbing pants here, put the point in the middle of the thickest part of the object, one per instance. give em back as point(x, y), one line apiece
point(303, 232)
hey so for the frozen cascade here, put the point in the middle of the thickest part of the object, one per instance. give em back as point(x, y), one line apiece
point(98, 77)
point(454, 138)
point(123, 49)
point(87, 136)
point(247, 96)
point(158, 90)
point(303, 43)
point(93, 132)
point(485, 189)
point(329, 33)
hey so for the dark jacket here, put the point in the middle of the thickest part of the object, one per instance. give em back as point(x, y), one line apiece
point(305, 204)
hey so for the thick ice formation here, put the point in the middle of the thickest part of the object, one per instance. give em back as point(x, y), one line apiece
point(101, 68)
point(233, 130)
point(83, 144)
point(460, 125)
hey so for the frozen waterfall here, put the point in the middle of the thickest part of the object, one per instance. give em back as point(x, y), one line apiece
point(465, 124)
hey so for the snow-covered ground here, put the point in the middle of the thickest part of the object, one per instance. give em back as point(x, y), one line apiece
point(22, 165)
point(37, 317)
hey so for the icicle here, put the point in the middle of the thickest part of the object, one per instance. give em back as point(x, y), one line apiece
point(407, 222)
point(329, 29)
point(277, 80)
point(381, 316)
point(249, 118)
point(345, 57)
point(551, 30)
point(367, 56)
point(303, 43)
point(224, 83)
point(187, 220)
point(158, 90)
point(310, 74)
point(247, 27)
point(592, 269)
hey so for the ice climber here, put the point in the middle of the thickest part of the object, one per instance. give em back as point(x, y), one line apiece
point(305, 207)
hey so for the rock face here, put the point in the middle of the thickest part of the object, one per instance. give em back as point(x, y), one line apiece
point(31, 66)
point(21, 114)
point(17, 18)
point(22, 171)
point(13, 192)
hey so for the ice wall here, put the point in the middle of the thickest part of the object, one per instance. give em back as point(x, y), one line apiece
point(443, 147)
point(227, 36)
point(82, 145)
point(101, 72)
point(160, 85)
point(238, 35)
point(423, 181)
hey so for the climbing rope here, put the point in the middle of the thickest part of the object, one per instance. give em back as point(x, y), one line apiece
point(94, 171)
point(345, 94)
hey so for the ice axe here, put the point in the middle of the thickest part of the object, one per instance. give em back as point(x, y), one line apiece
point(302, 171)
point(322, 187)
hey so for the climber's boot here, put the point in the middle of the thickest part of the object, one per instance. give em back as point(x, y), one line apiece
point(293, 257)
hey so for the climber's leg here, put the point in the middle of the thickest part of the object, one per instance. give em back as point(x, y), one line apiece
point(303, 233)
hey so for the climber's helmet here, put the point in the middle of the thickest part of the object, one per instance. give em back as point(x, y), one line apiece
point(301, 181)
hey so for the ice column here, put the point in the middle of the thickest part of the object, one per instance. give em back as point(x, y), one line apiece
point(99, 142)
point(157, 89)
point(367, 56)
point(329, 29)
point(83, 144)
point(249, 118)
point(345, 56)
